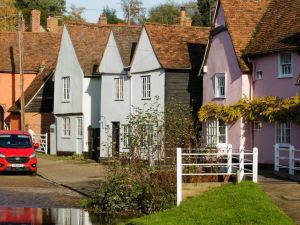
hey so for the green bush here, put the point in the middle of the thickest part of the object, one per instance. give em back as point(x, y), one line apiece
point(135, 189)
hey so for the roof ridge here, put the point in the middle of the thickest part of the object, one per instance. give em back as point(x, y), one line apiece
point(175, 25)
point(73, 23)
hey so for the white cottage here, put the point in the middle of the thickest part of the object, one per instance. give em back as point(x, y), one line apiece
point(165, 63)
point(116, 91)
point(77, 89)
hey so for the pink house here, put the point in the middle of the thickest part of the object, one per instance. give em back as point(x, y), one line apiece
point(254, 51)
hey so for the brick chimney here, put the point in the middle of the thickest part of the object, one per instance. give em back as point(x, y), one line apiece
point(52, 24)
point(102, 20)
point(184, 20)
point(35, 22)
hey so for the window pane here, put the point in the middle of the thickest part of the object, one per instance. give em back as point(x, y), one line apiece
point(220, 85)
point(146, 87)
point(283, 133)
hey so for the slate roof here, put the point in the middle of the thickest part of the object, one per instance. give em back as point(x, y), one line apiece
point(242, 18)
point(39, 96)
point(279, 29)
point(89, 41)
point(126, 38)
point(39, 48)
point(178, 47)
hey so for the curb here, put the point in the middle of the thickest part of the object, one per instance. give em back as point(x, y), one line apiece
point(63, 185)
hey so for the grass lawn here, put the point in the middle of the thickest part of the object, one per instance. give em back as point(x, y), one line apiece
point(55, 157)
point(239, 204)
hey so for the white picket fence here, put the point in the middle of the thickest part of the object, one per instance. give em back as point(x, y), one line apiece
point(240, 168)
point(41, 140)
point(287, 157)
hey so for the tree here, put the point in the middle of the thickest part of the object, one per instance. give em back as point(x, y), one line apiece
point(133, 11)
point(204, 7)
point(75, 14)
point(166, 13)
point(47, 7)
point(111, 15)
point(8, 16)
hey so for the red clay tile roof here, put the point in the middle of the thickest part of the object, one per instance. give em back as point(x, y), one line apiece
point(39, 96)
point(39, 48)
point(126, 38)
point(178, 47)
point(89, 41)
point(242, 17)
point(279, 29)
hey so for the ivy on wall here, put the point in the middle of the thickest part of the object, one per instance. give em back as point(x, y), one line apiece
point(268, 109)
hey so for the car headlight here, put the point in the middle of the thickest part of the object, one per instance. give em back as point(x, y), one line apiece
point(2, 156)
point(33, 155)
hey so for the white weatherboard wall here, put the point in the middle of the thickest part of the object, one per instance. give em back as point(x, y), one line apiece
point(112, 110)
point(146, 63)
point(144, 58)
point(91, 106)
point(157, 87)
point(112, 61)
point(68, 65)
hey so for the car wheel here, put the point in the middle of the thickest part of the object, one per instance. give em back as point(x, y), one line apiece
point(33, 173)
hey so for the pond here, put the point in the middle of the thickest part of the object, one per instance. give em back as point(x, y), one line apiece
point(54, 216)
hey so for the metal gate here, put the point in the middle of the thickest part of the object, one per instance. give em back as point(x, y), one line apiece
point(40, 142)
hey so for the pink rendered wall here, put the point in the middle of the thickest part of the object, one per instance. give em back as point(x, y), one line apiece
point(264, 140)
point(271, 85)
point(222, 59)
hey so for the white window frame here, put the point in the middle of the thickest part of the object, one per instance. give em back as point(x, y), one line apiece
point(126, 136)
point(281, 64)
point(147, 135)
point(281, 136)
point(218, 87)
point(258, 126)
point(213, 134)
point(79, 127)
point(66, 92)
point(258, 75)
point(119, 89)
point(146, 87)
point(66, 126)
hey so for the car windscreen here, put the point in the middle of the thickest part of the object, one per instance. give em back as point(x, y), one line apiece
point(15, 141)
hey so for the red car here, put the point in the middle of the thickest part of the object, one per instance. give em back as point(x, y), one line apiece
point(17, 152)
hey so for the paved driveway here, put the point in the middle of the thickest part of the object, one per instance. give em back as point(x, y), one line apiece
point(285, 193)
point(35, 192)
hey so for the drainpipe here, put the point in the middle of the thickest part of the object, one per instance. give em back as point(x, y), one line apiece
point(251, 98)
point(130, 91)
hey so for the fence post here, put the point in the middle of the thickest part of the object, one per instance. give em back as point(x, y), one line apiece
point(241, 164)
point(46, 144)
point(255, 165)
point(276, 158)
point(229, 159)
point(292, 160)
point(179, 177)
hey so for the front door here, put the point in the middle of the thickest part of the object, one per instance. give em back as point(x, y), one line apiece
point(115, 139)
point(1, 118)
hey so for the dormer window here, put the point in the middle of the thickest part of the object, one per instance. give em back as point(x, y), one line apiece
point(285, 65)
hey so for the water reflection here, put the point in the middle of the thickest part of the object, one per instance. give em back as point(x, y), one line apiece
point(32, 216)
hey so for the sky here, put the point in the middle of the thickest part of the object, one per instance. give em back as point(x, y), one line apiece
point(94, 7)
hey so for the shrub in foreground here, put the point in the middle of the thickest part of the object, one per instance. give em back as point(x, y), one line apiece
point(135, 189)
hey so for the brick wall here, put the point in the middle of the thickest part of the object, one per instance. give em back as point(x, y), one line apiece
point(39, 122)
